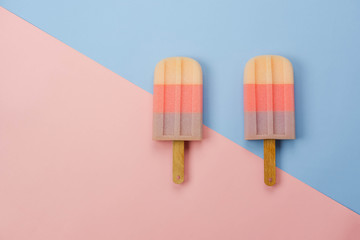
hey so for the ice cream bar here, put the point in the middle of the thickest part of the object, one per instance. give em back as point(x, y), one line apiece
point(269, 98)
point(177, 106)
point(269, 104)
point(177, 100)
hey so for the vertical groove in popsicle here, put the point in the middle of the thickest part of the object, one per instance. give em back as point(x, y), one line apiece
point(254, 99)
point(182, 98)
point(285, 97)
point(269, 96)
point(279, 114)
point(163, 102)
point(177, 98)
point(193, 96)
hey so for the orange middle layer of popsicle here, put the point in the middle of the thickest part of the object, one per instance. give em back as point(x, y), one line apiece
point(282, 95)
point(165, 98)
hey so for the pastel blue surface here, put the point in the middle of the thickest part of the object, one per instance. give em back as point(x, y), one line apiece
point(321, 38)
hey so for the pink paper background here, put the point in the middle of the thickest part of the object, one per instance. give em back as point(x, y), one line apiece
point(77, 162)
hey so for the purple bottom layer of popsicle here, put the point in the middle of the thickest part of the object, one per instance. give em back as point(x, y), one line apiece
point(189, 127)
point(257, 125)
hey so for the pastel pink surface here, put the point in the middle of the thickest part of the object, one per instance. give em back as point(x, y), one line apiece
point(77, 162)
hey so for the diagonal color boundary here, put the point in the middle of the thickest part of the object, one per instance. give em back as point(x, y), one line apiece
point(78, 162)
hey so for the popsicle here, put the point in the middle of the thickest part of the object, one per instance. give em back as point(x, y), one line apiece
point(177, 106)
point(269, 106)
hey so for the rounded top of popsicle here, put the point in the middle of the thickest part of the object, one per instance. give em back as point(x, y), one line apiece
point(268, 69)
point(178, 70)
point(273, 56)
point(182, 58)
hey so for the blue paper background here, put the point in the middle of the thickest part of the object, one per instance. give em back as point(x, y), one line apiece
point(320, 37)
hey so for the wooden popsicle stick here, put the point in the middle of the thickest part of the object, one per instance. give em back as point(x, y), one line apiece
point(269, 162)
point(178, 161)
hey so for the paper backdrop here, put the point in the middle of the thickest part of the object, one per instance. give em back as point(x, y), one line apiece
point(77, 162)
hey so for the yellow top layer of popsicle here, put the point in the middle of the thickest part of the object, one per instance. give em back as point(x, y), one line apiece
point(256, 70)
point(178, 70)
